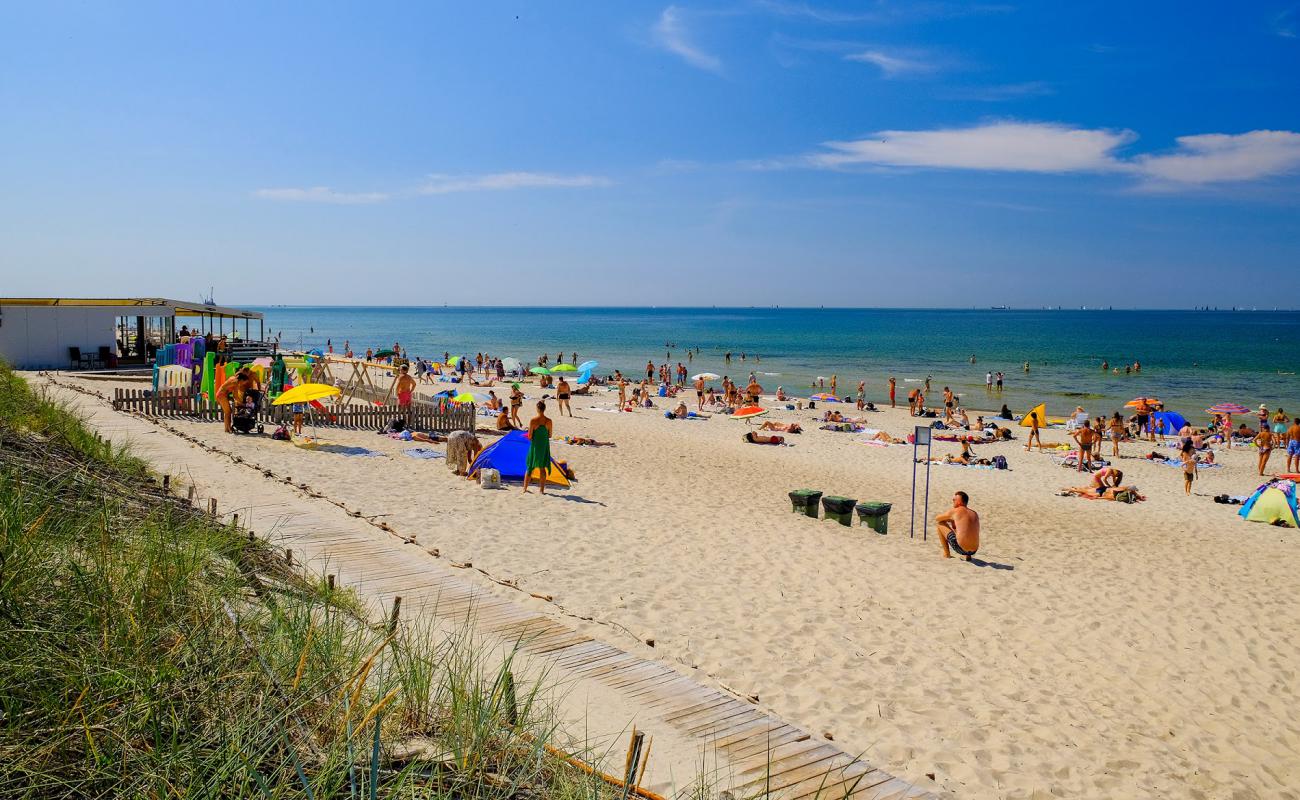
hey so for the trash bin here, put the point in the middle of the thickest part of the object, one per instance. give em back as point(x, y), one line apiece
point(839, 509)
point(804, 501)
point(875, 515)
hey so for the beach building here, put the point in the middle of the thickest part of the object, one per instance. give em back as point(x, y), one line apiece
point(98, 333)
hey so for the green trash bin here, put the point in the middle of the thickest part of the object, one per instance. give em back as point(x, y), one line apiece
point(875, 515)
point(804, 501)
point(839, 509)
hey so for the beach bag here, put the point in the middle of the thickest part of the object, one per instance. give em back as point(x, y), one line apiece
point(281, 434)
point(1125, 497)
point(489, 478)
point(1000, 462)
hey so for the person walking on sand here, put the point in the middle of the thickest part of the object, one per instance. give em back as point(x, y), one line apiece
point(893, 385)
point(539, 448)
point(1116, 428)
point(516, 400)
point(699, 393)
point(1264, 444)
point(1034, 435)
point(862, 395)
point(959, 528)
point(562, 390)
point(1188, 454)
point(405, 389)
point(1293, 446)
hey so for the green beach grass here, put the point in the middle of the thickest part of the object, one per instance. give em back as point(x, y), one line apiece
point(147, 650)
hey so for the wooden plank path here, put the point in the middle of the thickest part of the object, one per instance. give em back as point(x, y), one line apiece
point(757, 754)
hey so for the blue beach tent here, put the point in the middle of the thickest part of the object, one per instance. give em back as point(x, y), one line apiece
point(1169, 422)
point(508, 455)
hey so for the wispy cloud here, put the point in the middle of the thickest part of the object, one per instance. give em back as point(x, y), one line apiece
point(882, 11)
point(998, 93)
point(1211, 158)
point(322, 194)
point(894, 65)
point(506, 181)
point(1201, 160)
point(1284, 23)
point(672, 34)
point(1002, 146)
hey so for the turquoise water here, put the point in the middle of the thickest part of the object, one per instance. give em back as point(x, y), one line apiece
point(1191, 359)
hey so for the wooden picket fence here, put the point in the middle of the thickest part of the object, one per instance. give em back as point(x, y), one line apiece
point(190, 404)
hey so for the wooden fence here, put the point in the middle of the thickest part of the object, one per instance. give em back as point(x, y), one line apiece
point(190, 404)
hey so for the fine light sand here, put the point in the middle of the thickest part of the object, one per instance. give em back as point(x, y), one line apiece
point(1097, 650)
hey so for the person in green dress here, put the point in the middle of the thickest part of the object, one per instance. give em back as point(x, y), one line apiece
point(539, 448)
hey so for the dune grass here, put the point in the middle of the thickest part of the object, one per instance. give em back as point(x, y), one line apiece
point(147, 650)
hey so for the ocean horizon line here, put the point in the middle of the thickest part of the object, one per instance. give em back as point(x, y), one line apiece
point(1168, 309)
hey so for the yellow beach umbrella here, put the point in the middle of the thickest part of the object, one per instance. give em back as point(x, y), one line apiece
point(564, 368)
point(307, 393)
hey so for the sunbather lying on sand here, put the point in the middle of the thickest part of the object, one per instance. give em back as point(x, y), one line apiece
point(585, 442)
point(881, 436)
point(761, 438)
point(1111, 493)
point(784, 427)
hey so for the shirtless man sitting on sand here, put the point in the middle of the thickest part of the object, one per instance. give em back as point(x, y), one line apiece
point(959, 529)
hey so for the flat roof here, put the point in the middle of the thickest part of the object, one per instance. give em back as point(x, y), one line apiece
point(179, 308)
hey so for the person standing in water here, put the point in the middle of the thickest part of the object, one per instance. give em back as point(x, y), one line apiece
point(539, 448)
point(893, 385)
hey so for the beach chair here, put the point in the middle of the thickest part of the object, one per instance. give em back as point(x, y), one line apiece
point(77, 358)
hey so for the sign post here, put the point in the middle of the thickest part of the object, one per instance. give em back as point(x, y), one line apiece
point(921, 436)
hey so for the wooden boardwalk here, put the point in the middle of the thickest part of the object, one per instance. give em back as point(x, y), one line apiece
point(755, 753)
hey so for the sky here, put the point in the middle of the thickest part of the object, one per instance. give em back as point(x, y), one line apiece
point(753, 152)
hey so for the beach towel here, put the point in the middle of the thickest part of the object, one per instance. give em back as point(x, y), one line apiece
point(342, 450)
point(424, 453)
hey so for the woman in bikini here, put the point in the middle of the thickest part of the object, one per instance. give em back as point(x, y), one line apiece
point(516, 400)
point(1116, 428)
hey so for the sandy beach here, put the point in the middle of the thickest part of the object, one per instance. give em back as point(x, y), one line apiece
point(1096, 649)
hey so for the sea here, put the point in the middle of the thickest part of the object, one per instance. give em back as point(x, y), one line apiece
point(1190, 359)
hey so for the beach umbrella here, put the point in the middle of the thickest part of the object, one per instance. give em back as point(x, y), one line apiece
point(1142, 401)
point(510, 364)
point(584, 377)
point(708, 376)
point(385, 353)
point(564, 368)
point(588, 366)
point(1227, 408)
point(825, 397)
point(540, 371)
point(453, 361)
point(748, 412)
point(469, 397)
point(307, 393)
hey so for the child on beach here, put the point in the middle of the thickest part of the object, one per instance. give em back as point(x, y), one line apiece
point(1189, 467)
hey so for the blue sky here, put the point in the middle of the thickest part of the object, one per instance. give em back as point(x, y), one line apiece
point(731, 153)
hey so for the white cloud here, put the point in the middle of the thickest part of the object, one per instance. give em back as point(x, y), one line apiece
point(505, 181)
point(322, 194)
point(1221, 157)
point(1003, 146)
point(893, 65)
point(671, 34)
